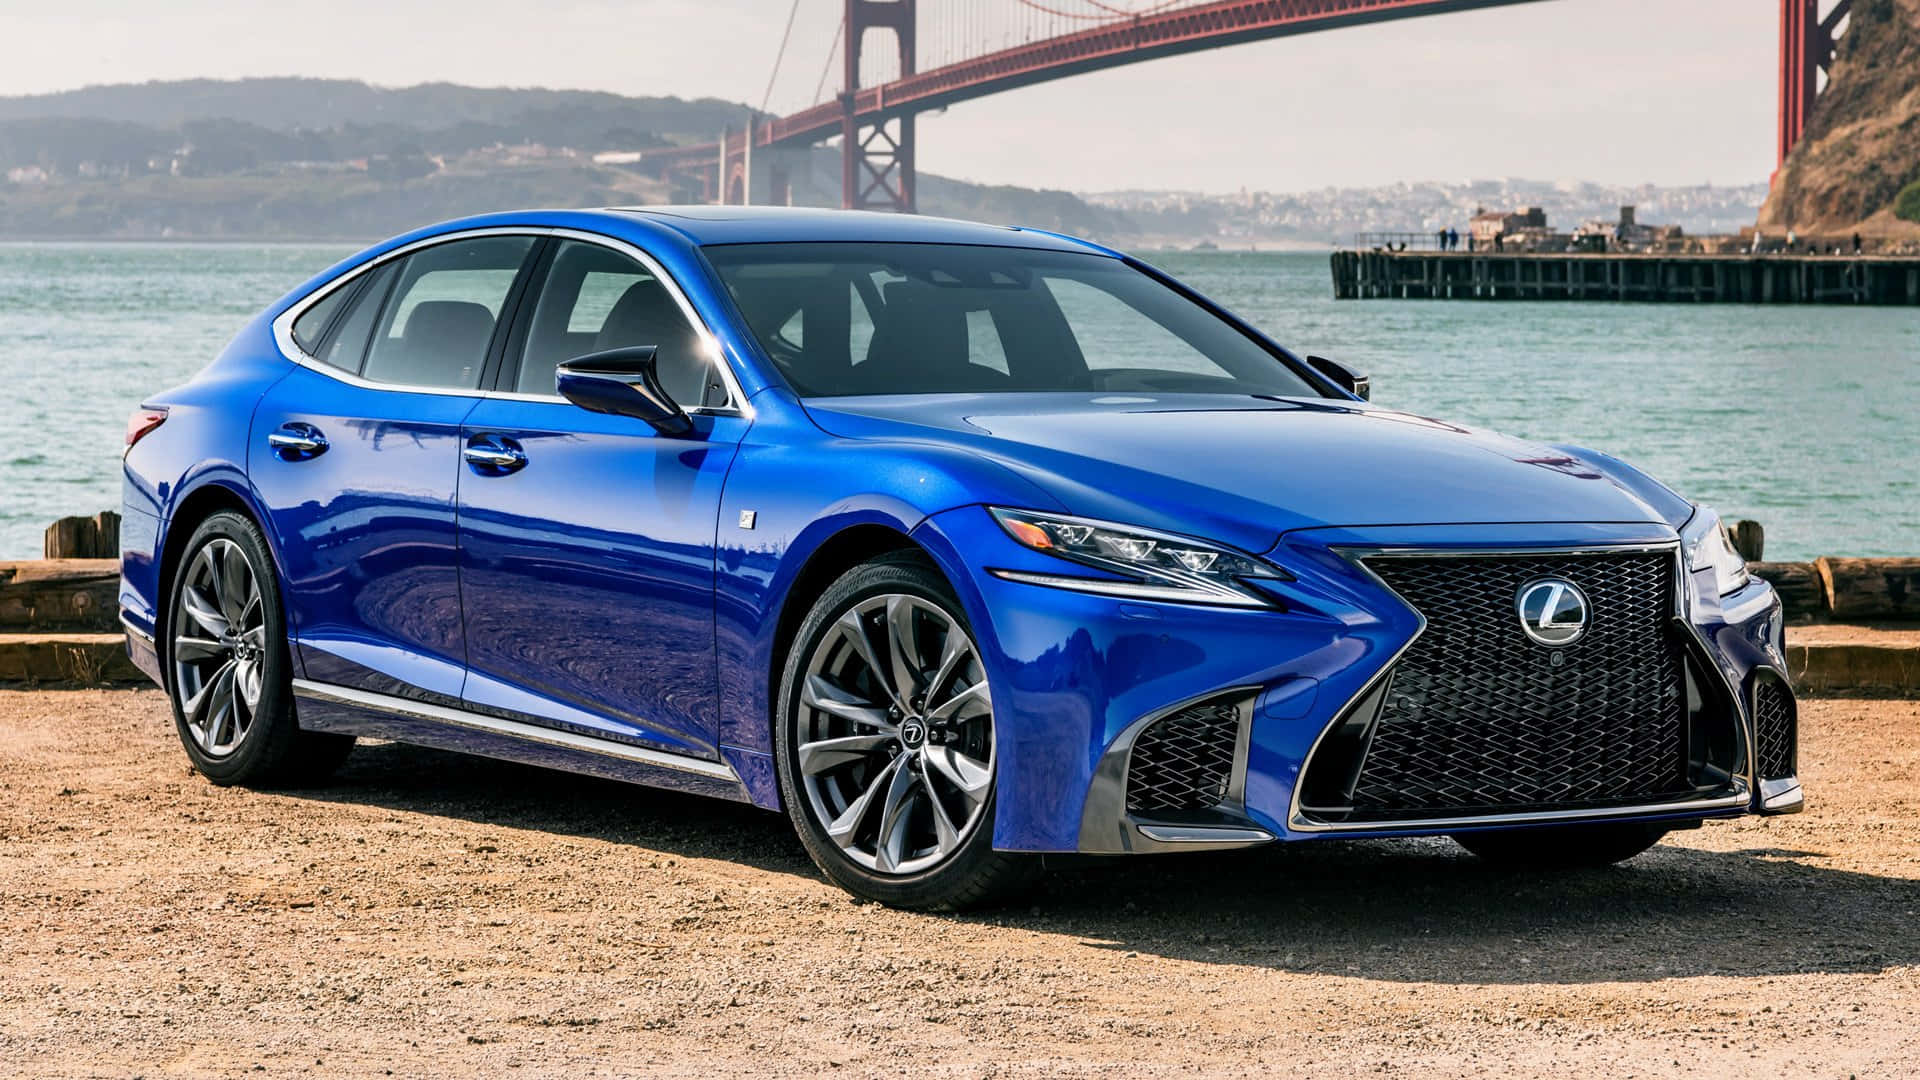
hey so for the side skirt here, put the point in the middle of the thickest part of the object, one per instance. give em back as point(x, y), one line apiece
point(324, 707)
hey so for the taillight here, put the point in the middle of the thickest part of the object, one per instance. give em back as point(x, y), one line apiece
point(142, 422)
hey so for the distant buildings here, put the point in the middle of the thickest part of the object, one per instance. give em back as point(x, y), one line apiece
point(1498, 230)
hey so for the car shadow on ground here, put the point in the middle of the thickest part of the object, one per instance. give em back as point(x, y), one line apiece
point(1409, 910)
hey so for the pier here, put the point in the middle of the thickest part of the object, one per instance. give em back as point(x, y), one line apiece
point(1726, 279)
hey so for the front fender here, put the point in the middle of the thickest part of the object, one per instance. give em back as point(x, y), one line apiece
point(792, 490)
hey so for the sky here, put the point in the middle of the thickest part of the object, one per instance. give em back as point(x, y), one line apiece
point(1613, 91)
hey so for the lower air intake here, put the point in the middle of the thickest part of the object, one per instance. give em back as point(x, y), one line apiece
point(1776, 731)
point(1184, 761)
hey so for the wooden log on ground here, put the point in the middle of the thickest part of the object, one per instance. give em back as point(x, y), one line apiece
point(96, 537)
point(59, 594)
point(1870, 588)
point(1799, 586)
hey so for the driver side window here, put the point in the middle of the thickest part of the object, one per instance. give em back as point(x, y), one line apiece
point(595, 299)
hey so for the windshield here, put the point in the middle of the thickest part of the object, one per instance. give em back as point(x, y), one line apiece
point(845, 319)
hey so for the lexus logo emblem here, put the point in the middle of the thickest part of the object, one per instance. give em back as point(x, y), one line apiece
point(1552, 611)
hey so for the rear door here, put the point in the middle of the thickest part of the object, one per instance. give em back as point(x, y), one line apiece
point(587, 540)
point(357, 460)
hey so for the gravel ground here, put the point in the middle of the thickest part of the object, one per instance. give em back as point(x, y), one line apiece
point(429, 914)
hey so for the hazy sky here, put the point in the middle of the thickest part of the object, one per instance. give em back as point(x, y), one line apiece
point(1619, 91)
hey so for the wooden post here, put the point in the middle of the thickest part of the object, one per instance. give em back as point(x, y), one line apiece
point(1749, 539)
point(97, 537)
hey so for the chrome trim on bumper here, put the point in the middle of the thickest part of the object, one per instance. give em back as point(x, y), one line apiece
point(1782, 796)
point(1735, 801)
point(127, 625)
point(532, 733)
point(1205, 837)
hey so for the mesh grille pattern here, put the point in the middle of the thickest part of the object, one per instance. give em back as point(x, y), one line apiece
point(1774, 729)
point(1479, 718)
point(1184, 761)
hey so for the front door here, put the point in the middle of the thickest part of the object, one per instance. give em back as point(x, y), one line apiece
point(587, 540)
point(356, 456)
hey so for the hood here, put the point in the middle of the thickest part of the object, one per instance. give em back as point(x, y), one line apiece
point(1244, 470)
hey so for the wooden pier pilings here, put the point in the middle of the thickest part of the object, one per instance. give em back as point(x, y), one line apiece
point(1732, 279)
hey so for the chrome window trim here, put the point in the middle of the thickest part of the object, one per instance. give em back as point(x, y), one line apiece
point(1297, 821)
point(289, 348)
point(567, 740)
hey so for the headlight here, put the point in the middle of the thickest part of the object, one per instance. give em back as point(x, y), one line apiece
point(1707, 544)
point(1158, 566)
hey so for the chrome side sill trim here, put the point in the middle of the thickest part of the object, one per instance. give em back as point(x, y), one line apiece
point(134, 630)
point(1205, 834)
point(1737, 800)
point(512, 728)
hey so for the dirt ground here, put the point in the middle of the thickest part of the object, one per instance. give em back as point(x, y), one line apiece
point(429, 914)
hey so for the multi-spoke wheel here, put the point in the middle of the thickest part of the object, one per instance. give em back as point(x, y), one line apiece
point(887, 742)
point(228, 663)
point(219, 641)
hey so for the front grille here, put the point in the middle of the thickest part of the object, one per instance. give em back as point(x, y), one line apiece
point(1184, 761)
point(1776, 735)
point(1478, 718)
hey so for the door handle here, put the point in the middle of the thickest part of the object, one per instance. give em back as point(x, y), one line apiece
point(297, 442)
point(493, 455)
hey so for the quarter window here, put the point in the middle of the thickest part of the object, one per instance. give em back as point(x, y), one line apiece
point(346, 346)
point(440, 319)
point(312, 324)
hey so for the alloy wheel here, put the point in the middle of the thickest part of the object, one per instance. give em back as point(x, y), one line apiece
point(895, 734)
point(219, 647)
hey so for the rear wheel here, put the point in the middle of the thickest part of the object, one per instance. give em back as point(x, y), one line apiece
point(1562, 846)
point(229, 670)
point(886, 743)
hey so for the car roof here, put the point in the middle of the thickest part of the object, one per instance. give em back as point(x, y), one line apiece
point(704, 225)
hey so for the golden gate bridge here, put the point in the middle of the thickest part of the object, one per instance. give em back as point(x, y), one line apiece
point(900, 58)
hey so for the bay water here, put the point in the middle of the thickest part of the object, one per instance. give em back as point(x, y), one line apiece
point(1805, 418)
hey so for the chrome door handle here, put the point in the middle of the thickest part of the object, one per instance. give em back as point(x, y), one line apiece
point(297, 442)
point(494, 456)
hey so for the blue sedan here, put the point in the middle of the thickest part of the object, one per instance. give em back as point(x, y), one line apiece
point(956, 544)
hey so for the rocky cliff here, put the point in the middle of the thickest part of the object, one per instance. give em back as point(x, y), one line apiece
point(1862, 146)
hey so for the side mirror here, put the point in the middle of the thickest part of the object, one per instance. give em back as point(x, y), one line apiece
point(622, 382)
point(1342, 376)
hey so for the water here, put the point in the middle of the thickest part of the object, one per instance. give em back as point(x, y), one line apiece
point(1806, 418)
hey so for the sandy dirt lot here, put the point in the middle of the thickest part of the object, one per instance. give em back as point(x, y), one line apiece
point(429, 914)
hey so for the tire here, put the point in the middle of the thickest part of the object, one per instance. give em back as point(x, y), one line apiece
point(1562, 847)
point(232, 690)
point(899, 809)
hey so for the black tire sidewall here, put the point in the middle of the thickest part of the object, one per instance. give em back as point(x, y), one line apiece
point(963, 877)
point(273, 726)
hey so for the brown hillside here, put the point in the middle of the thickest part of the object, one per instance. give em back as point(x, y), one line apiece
point(1863, 142)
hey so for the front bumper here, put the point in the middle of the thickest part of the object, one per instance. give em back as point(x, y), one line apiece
point(1079, 678)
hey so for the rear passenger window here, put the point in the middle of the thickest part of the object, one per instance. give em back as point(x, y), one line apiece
point(440, 318)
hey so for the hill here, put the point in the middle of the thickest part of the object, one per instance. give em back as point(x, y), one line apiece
point(328, 158)
point(1862, 146)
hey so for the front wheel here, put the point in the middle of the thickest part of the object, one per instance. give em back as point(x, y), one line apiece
point(1562, 846)
point(229, 669)
point(885, 743)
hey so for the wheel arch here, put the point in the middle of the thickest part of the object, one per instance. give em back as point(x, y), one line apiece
point(840, 552)
point(189, 510)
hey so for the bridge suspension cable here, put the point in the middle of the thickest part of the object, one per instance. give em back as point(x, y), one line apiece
point(785, 36)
